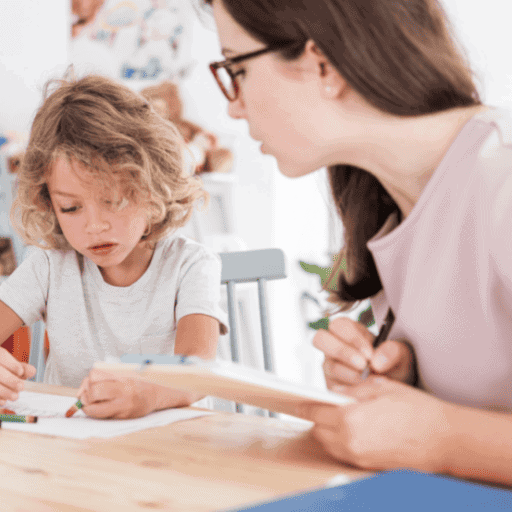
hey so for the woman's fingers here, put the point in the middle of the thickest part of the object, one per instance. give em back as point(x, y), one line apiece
point(345, 343)
point(354, 334)
point(394, 359)
point(336, 373)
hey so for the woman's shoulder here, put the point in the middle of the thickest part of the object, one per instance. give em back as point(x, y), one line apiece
point(493, 158)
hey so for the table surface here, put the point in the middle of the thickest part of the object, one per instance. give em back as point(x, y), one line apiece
point(210, 463)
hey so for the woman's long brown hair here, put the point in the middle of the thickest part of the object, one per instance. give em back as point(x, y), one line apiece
point(401, 57)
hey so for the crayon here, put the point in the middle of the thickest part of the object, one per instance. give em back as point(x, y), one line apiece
point(323, 323)
point(14, 418)
point(6, 411)
point(73, 409)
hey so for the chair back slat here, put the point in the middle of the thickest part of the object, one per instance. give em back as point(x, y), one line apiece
point(247, 266)
point(257, 266)
point(265, 334)
point(233, 331)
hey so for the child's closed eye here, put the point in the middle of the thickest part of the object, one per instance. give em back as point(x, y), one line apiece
point(72, 209)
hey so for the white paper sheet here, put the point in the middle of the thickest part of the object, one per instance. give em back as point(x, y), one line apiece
point(51, 410)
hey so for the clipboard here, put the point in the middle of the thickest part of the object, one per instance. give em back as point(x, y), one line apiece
point(222, 379)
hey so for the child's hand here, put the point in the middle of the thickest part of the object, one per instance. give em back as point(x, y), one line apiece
point(104, 395)
point(12, 374)
point(392, 426)
point(347, 346)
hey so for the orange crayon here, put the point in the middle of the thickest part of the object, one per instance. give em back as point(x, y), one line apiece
point(73, 409)
point(6, 411)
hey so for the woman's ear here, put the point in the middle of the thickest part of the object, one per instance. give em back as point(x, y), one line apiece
point(331, 83)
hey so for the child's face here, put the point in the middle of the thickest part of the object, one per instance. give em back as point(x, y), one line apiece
point(108, 236)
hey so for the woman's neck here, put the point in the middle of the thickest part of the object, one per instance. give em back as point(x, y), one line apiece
point(403, 152)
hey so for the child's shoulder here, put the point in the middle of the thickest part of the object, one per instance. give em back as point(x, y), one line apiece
point(179, 246)
point(53, 257)
point(181, 251)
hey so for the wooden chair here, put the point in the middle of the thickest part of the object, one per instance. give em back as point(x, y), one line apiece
point(257, 266)
point(18, 344)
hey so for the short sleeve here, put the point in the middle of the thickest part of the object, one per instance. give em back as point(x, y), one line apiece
point(199, 288)
point(501, 241)
point(25, 291)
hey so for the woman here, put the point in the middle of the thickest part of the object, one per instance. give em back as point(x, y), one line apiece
point(421, 173)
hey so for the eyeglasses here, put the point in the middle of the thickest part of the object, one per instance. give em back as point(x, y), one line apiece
point(226, 77)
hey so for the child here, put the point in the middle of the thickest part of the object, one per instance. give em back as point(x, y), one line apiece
point(101, 187)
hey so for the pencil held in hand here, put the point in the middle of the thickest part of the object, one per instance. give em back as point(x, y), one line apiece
point(73, 409)
point(380, 339)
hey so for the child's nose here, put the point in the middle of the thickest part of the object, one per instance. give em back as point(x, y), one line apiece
point(96, 222)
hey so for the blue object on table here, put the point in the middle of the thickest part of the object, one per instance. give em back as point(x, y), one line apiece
point(398, 491)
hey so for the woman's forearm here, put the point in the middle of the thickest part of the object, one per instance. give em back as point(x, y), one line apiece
point(481, 447)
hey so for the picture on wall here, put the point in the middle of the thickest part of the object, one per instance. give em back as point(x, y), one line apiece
point(136, 39)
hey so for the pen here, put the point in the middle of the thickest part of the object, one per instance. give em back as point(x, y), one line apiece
point(18, 419)
point(381, 338)
point(73, 409)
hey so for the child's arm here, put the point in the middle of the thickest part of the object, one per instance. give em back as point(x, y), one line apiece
point(197, 335)
point(12, 372)
point(106, 396)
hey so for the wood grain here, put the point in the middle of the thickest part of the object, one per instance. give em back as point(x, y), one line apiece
point(204, 464)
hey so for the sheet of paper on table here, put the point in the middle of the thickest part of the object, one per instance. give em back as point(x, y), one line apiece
point(51, 410)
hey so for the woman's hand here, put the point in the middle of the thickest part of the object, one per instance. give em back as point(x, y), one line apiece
point(393, 425)
point(12, 375)
point(104, 395)
point(347, 347)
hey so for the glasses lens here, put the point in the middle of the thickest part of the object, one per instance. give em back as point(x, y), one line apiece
point(226, 83)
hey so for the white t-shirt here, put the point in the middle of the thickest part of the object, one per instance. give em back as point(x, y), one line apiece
point(446, 269)
point(88, 319)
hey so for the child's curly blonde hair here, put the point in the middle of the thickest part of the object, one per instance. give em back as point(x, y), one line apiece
point(120, 139)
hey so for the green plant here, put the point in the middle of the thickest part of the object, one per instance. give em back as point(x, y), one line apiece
point(365, 317)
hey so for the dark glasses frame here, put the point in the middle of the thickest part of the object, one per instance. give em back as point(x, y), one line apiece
point(214, 66)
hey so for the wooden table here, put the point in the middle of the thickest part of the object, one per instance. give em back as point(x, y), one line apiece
point(209, 463)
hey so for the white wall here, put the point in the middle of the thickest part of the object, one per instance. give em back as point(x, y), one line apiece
point(33, 47)
point(484, 31)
